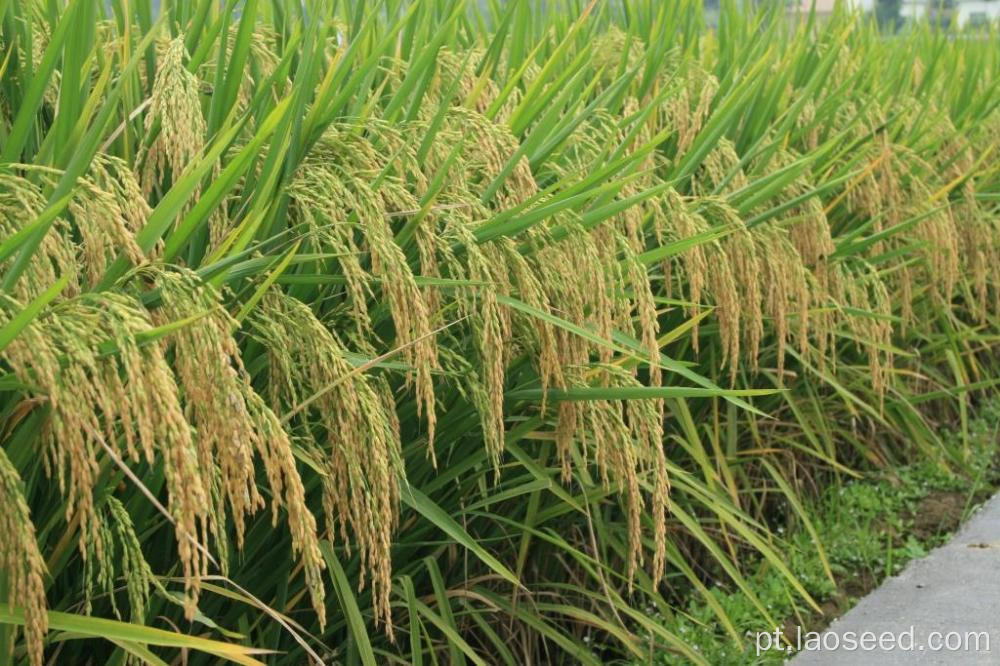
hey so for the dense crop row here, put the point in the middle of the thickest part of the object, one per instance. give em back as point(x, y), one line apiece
point(434, 330)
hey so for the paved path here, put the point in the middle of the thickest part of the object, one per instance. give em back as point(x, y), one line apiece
point(949, 598)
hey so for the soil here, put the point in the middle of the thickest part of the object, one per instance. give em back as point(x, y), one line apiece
point(935, 517)
point(937, 514)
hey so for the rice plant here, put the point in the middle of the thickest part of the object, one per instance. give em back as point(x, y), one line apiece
point(439, 330)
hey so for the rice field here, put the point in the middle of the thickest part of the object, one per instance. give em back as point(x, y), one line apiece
point(440, 331)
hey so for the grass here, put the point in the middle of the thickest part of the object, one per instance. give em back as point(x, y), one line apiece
point(870, 528)
point(443, 331)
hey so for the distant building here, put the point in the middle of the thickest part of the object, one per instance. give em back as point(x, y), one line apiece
point(911, 10)
point(963, 12)
point(827, 6)
point(977, 12)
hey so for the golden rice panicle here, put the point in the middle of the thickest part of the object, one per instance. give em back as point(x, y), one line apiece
point(831, 294)
point(40, 37)
point(981, 256)
point(808, 226)
point(411, 317)
point(631, 225)
point(99, 568)
point(479, 91)
point(21, 561)
point(644, 312)
point(112, 174)
point(361, 450)
point(632, 307)
point(625, 438)
point(806, 249)
point(736, 285)
point(645, 421)
point(106, 217)
point(677, 222)
point(905, 192)
point(604, 240)
point(175, 107)
point(937, 225)
point(264, 59)
point(150, 384)
point(426, 238)
point(574, 352)
point(661, 506)
point(624, 235)
point(107, 210)
point(334, 185)
point(275, 449)
point(118, 549)
point(492, 325)
point(310, 193)
point(20, 199)
point(589, 291)
point(742, 251)
point(208, 368)
point(789, 289)
point(616, 291)
point(739, 294)
point(687, 109)
point(721, 169)
point(917, 72)
point(891, 195)
point(233, 422)
point(868, 295)
point(978, 225)
point(972, 251)
point(807, 121)
point(139, 578)
point(940, 231)
point(612, 48)
point(497, 264)
point(540, 332)
point(485, 153)
point(497, 268)
point(94, 397)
